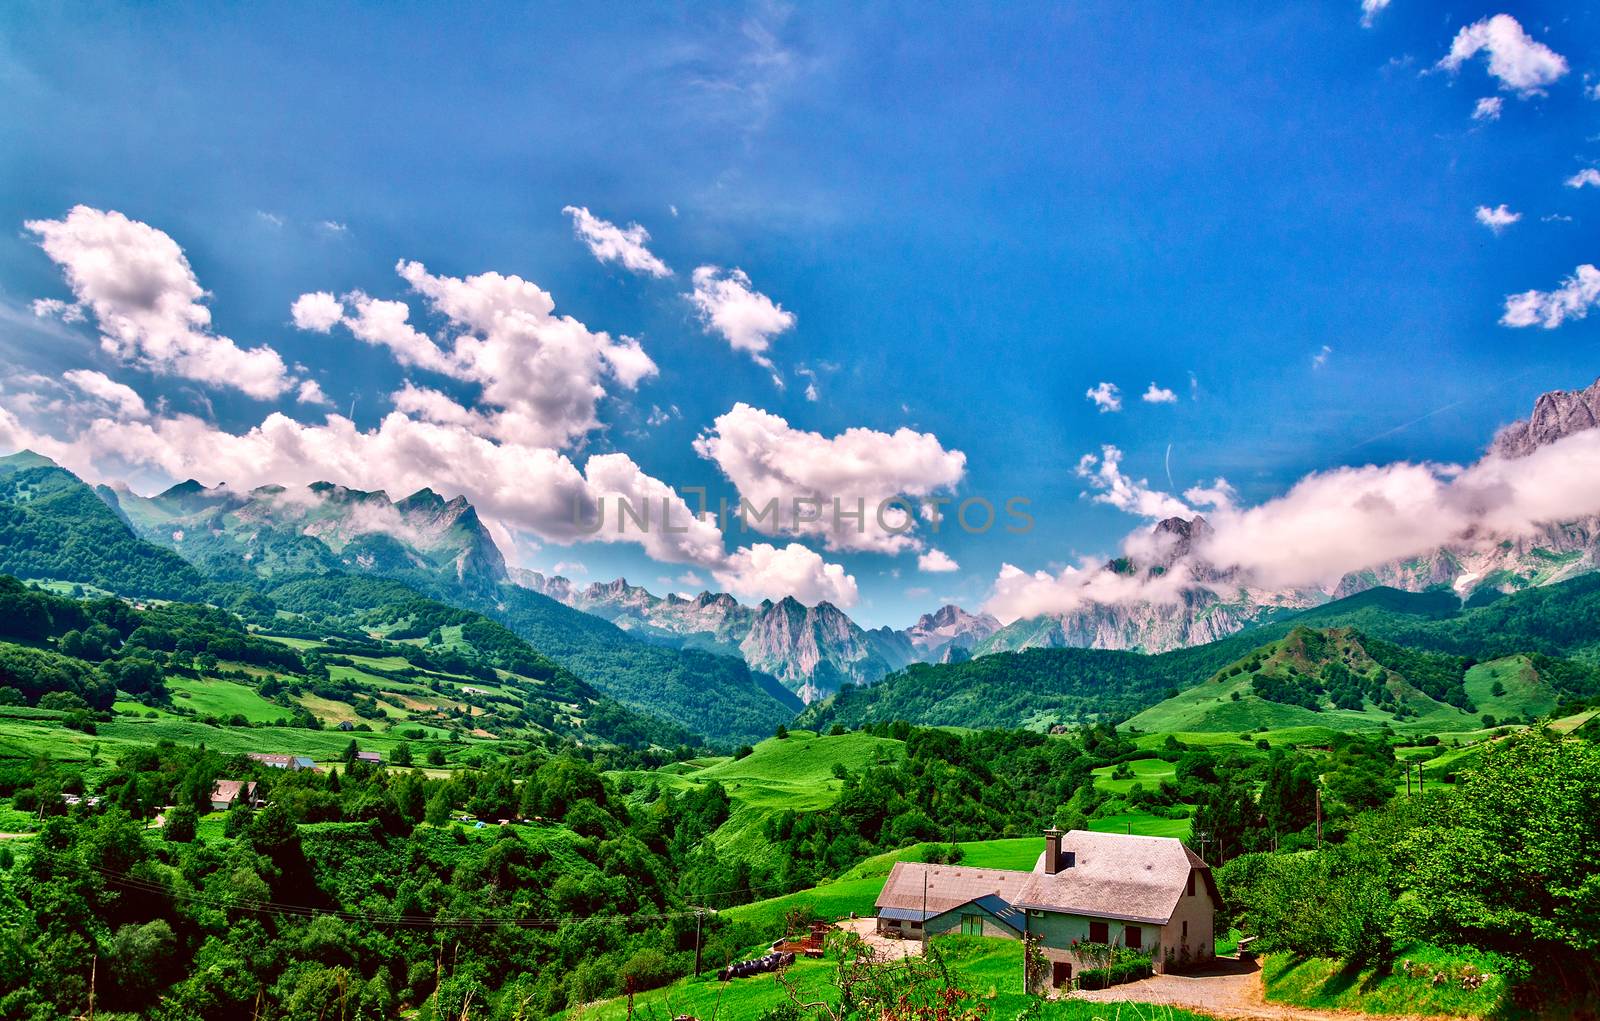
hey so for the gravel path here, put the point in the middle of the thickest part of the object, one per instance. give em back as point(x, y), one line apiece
point(1228, 989)
point(889, 949)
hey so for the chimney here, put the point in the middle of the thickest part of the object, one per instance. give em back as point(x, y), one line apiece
point(1052, 851)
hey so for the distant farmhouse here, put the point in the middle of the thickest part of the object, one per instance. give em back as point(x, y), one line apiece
point(1145, 893)
point(228, 793)
point(371, 758)
point(284, 761)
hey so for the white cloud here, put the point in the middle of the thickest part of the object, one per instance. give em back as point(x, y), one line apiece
point(272, 220)
point(746, 318)
point(540, 375)
point(1105, 396)
point(318, 312)
point(333, 228)
point(610, 243)
point(768, 460)
point(146, 302)
point(1104, 475)
point(1320, 359)
point(1488, 108)
point(55, 308)
point(123, 399)
point(1552, 308)
point(1498, 218)
point(1159, 395)
point(387, 324)
point(1588, 177)
point(1370, 10)
point(1332, 523)
point(1521, 63)
point(936, 562)
point(310, 392)
point(759, 570)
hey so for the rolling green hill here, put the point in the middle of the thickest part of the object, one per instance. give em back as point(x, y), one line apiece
point(54, 526)
point(410, 670)
point(1336, 678)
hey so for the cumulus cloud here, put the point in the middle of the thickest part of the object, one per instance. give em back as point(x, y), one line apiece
point(1550, 309)
point(1370, 10)
point(147, 303)
point(1105, 396)
point(123, 399)
point(1498, 218)
point(757, 571)
point(936, 562)
point(310, 392)
point(1588, 177)
point(1488, 108)
point(1320, 359)
point(610, 243)
point(1159, 395)
point(1521, 63)
point(743, 316)
point(1104, 475)
point(804, 474)
point(317, 312)
point(540, 375)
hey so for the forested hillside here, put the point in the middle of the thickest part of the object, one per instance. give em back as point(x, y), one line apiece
point(54, 526)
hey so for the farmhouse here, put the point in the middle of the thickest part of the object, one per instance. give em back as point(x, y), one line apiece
point(227, 793)
point(283, 761)
point(1150, 894)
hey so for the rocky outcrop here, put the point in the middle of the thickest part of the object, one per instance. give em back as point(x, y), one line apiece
point(1557, 414)
point(948, 627)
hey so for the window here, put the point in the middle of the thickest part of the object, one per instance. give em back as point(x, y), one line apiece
point(1186, 933)
point(972, 925)
point(1099, 932)
point(1190, 890)
point(916, 925)
point(1132, 937)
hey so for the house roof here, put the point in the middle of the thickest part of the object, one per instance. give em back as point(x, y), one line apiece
point(1136, 879)
point(948, 887)
point(229, 790)
point(1130, 878)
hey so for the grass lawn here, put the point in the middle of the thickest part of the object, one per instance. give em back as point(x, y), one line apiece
point(1141, 824)
point(224, 699)
point(990, 969)
point(1148, 772)
point(1329, 984)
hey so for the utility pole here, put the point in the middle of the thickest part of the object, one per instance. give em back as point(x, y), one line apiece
point(1319, 817)
point(94, 963)
point(698, 914)
point(1408, 779)
point(924, 907)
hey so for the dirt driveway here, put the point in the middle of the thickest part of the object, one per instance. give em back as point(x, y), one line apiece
point(891, 949)
point(1228, 989)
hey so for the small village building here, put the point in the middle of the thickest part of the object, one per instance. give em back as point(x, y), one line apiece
point(228, 793)
point(1087, 891)
point(283, 761)
point(371, 758)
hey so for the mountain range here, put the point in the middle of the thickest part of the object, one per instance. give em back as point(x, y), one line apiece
point(786, 653)
point(1218, 602)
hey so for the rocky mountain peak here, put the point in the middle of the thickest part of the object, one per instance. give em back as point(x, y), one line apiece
point(1556, 415)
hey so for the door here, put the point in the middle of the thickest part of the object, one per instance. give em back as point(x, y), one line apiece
point(972, 925)
point(1061, 974)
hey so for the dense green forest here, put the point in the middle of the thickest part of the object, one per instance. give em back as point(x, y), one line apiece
point(54, 526)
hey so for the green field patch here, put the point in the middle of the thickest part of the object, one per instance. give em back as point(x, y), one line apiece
point(294, 643)
point(1147, 772)
point(224, 699)
point(1141, 824)
point(1522, 692)
point(1408, 984)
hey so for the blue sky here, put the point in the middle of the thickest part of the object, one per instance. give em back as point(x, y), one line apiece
point(974, 217)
